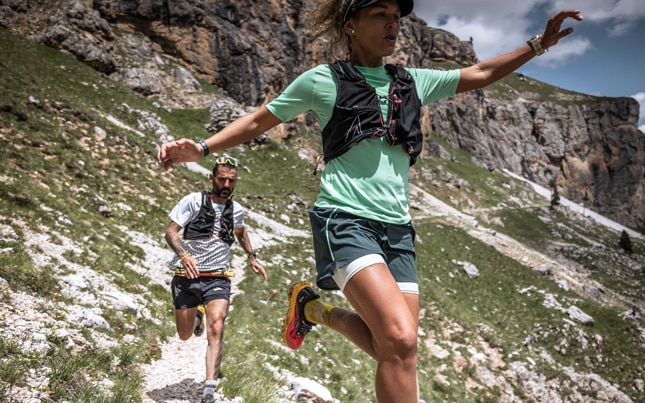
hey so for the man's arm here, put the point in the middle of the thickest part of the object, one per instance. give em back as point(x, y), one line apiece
point(188, 262)
point(243, 238)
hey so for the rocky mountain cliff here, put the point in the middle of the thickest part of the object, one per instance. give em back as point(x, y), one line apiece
point(589, 147)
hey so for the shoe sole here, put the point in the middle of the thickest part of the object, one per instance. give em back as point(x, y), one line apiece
point(293, 342)
point(199, 330)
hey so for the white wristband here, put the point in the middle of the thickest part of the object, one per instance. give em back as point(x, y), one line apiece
point(536, 45)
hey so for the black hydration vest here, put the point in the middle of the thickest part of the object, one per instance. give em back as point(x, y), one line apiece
point(202, 226)
point(357, 113)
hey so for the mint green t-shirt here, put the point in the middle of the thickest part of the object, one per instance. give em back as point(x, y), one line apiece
point(370, 180)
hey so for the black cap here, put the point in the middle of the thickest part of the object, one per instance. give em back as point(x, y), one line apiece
point(405, 6)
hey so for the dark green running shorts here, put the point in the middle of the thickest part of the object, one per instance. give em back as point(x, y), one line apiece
point(341, 238)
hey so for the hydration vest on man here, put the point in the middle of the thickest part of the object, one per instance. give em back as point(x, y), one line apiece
point(202, 227)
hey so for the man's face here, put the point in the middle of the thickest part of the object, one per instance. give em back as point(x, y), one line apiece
point(224, 181)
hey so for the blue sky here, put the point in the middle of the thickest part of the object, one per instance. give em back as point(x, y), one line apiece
point(605, 55)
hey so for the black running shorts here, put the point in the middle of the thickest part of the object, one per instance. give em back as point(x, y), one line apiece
point(188, 293)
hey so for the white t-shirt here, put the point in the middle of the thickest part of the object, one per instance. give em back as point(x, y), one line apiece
point(211, 253)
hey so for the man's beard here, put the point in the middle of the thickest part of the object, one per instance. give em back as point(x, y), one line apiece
point(224, 193)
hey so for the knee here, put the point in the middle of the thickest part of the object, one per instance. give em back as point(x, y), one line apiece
point(407, 345)
point(184, 335)
point(403, 345)
point(215, 329)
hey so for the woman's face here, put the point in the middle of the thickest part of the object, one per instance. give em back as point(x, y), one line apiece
point(375, 29)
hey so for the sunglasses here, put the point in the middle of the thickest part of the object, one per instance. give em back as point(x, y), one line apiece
point(226, 161)
point(347, 10)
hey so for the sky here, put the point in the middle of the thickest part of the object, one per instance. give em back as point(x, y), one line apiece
point(605, 55)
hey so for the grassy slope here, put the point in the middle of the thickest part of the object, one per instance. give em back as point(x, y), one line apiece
point(54, 159)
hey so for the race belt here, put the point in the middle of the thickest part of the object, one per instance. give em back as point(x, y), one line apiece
point(215, 273)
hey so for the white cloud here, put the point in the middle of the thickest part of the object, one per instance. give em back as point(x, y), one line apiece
point(619, 16)
point(493, 32)
point(640, 97)
point(564, 51)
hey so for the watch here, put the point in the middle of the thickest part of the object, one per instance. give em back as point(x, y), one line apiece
point(204, 147)
point(536, 45)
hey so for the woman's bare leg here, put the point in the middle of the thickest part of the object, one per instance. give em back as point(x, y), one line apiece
point(385, 327)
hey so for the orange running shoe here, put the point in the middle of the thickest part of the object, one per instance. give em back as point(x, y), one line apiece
point(295, 327)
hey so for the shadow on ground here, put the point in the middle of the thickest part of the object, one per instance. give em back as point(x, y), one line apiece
point(187, 389)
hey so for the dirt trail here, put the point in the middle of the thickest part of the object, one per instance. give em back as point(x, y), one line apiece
point(177, 377)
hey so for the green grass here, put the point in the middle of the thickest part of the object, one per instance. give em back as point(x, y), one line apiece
point(596, 249)
point(19, 271)
point(463, 184)
point(517, 85)
point(13, 367)
point(186, 122)
point(56, 175)
point(494, 300)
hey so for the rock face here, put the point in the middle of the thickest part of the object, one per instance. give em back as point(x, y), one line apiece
point(589, 147)
point(593, 152)
point(251, 49)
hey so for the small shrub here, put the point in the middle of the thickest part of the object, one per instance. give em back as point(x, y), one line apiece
point(625, 242)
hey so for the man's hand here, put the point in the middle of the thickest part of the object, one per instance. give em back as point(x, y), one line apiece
point(257, 268)
point(175, 152)
point(190, 264)
point(552, 33)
